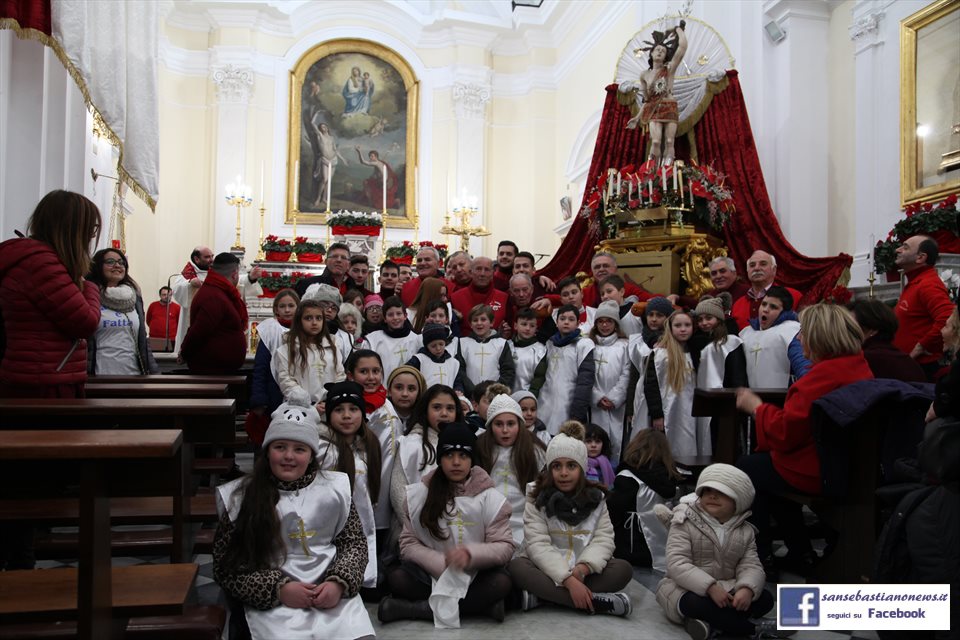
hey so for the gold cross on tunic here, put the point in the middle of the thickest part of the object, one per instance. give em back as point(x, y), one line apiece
point(302, 536)
point(556, 355)
point(460, 524)
point(402, 352)
point(483, 357)
point(506, 475)
point(755, 350)
point(600, 361)
point(570, 533)
point(441, 375)
point(321, 368)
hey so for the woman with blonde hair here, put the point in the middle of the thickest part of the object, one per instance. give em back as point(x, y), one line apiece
point(786, 459)
point(48, 308)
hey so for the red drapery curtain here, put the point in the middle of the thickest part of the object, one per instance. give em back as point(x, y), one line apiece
point(29, 14)
point(724, 139)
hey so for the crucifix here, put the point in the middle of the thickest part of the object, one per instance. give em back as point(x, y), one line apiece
point(460, 524)
point(570, 533)
point(302, 536)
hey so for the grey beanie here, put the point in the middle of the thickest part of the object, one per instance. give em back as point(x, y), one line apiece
point(710, 307)
point(297, 420)
point(608, 309)
point(323, 293)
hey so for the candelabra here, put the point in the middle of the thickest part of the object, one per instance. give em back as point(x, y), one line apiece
point(261, 255)
point(464, 211)
point(238, 195)
point(293, 251)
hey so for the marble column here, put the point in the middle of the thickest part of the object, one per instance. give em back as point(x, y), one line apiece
point(471, 94)
point(234, 85)
point(796, 78)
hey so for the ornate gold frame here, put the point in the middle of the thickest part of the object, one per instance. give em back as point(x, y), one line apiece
point(910, 191)
point(410, 83)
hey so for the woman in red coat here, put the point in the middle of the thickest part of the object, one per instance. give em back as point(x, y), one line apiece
point(786, 460)
point(48, 308)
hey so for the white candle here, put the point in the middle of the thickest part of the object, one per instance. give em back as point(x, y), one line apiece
point(329, 182)
point(296, 185)
point(383, 169)
point(261, 183)
point(675, 173)
point(618, 183)
point(629, 191)
point(663, 179)
point(650, 190)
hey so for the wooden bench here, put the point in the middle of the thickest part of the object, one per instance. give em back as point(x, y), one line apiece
point(721, 404)
point(196, 623)
point(237, 385)
point(155, 390)
point(139, 542)
point(123, 511)
point(106, 463)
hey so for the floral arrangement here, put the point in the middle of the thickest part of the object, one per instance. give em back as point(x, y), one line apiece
point(302, 244)
point(938, 220)
point(355, 219)
point(838, 295)
point(442, 249)
point(698, 188)
point(276, 280)
point(403, 252)
point(276, 244)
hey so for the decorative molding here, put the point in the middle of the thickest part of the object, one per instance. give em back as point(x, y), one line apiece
point(470, 100)
point(866, 25)
point(234, 84)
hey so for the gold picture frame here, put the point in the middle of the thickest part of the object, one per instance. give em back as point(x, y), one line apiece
point(930, 130)
point(380, 122)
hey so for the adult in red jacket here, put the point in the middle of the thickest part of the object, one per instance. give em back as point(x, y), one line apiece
point(428, 266)
point(786, 460)
point(216, 341)
point(603, 265)
point(480, 291)
point(762, 273)
point(48, 308)
point(924, 305)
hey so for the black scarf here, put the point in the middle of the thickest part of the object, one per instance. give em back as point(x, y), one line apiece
point(402, 332)
point(570, 509)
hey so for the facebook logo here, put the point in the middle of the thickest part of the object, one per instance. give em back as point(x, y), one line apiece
point(799, 607)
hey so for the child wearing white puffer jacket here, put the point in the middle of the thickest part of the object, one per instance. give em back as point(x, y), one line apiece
point(714, 580)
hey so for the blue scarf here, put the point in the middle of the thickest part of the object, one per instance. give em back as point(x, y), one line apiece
point(560, 340)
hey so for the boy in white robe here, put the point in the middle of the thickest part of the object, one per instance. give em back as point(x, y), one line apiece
point(526, 349)
point(484, 353)
point(435, 362)
point(773, 351)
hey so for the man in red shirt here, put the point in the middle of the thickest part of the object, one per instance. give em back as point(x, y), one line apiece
point(458, 270)
point(428, 266)
point(480, 291)
point(506, 253)
point(603, 265)
point(762, 272)
point(924, 306)
point(162, 317)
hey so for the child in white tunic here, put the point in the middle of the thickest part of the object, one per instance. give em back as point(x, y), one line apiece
point(528, 406)
point(396, 342)
point(564, 380)
point(512, 457)
point(668, 389)
point(417, 449)
point(484, 353)
point(770, 344)
point(433, 360)
point(568, 539)
point(526, 349)
point(455, 543)
point(570, 293)
point(308, 357)
point(296, 564)
point(612, 374)
point(348, 445)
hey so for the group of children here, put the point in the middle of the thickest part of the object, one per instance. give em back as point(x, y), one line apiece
point(472, 475)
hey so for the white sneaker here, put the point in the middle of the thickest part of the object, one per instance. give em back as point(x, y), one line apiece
point(528, 601)
point(614, 604)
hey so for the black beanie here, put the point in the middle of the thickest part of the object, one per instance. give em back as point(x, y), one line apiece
point(340, 392)
point(457, 436)
point(433, 332)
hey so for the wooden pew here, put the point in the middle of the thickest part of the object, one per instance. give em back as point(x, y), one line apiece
point(106, 463)
point(155, 390)
point(238, 384)
point(722, 405)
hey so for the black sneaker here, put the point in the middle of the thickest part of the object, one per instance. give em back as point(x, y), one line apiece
point(614, 604)
point(767, 628)
point(698, 629)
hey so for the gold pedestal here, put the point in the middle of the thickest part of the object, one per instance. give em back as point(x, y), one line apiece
point(655, 256)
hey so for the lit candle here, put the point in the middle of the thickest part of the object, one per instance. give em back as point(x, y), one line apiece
point(383, 170)
point(329, 182)
point(261, 183)
point(663, 179)
point(681, 186)
point(296, 185)
point(650, 190)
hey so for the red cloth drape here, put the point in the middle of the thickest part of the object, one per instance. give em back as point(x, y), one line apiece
point(30, 14)
point(724, 139)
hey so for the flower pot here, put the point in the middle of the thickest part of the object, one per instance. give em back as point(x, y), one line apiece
point(269, 293)
point(338, 230)
point(310, 257)
point(277, 256)
point(402, 259)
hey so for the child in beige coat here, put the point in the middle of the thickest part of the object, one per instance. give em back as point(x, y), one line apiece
point(714, 579)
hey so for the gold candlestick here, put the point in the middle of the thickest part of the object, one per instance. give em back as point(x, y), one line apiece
point(261, 255)
point(239, 201)
point(293, 252)
point(871, 279)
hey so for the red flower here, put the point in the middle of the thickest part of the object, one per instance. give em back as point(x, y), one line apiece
point(271, 239)
point(627, 169)
point(697, 189)
point(927, 206)
point(657, 197)
point(300, 240)
point(284, 242)
point(949, 201)
point(634, 204)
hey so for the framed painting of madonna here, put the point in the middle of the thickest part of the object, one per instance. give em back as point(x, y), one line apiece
point(354, 111)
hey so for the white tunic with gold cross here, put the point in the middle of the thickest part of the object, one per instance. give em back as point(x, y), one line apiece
point(505, 481)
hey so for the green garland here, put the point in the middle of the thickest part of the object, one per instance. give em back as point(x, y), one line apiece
point(919, 218)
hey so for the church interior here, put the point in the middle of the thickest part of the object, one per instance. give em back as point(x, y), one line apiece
point(822, 134)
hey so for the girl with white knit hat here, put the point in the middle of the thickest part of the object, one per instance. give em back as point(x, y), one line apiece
point(568, 555)
point(612, 376)
point(292, 584)
point(510, 454)
point(714, 579)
